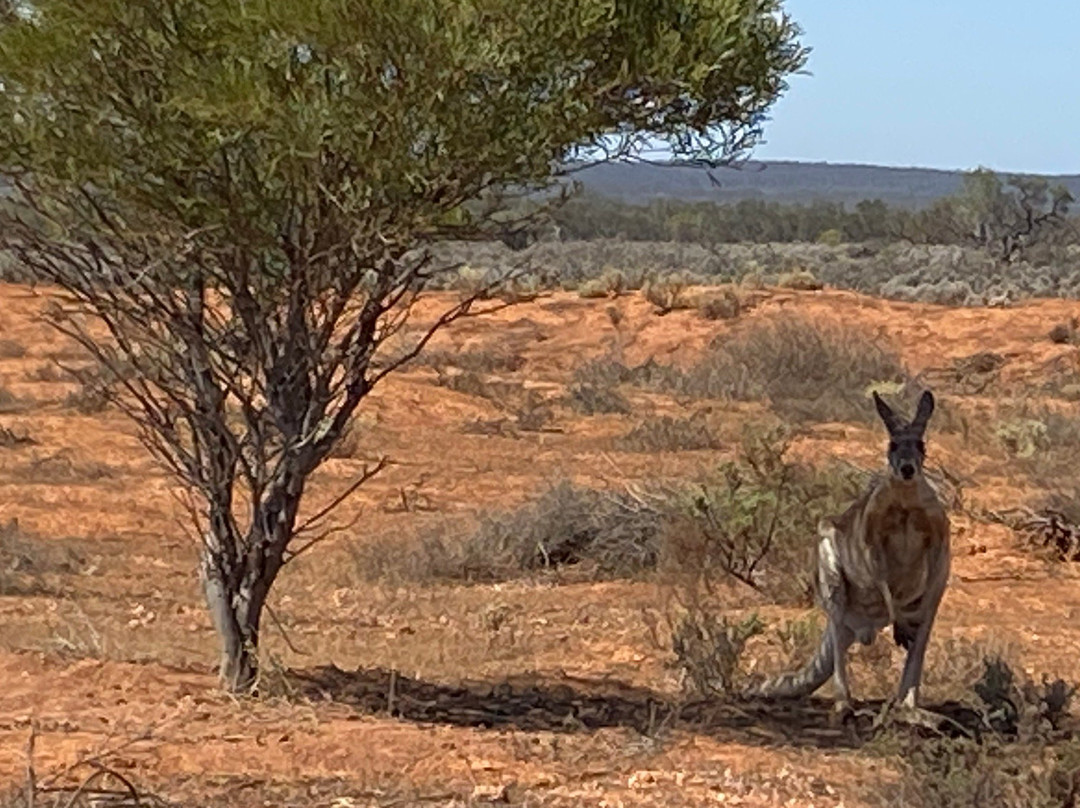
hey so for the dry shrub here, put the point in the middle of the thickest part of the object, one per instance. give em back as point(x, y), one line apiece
point(49, 372)
point(603, 534)
point(480, 361)
point(1064, 333)
point(669, 434)
point(756, 518)
point(1041, 441)
point(800, 280)
point(589, 399)
point(808, 371)
point(610, 371)
point(9, 402)
point(708, 650)
point(26, 559)
point(726, 306)
point(1021, 759)
point(501, 393)
point(668, 292)
point(62, 468)
point(97, 384)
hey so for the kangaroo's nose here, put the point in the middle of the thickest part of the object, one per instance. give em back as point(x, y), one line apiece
point(907, 471)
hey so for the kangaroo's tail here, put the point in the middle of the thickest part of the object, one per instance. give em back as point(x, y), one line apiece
point(803, 682)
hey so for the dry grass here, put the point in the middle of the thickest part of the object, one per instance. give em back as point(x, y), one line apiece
point(28, 562)
point(665, 433)
point(600, 534)
point(808, 371)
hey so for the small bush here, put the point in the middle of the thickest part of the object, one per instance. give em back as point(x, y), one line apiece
point(831, 237)
point(9, 402)
point(1064, 333)
point(609, 371)
point(589, 399)
point(473, 361)
point(26, 559)
point(668, 292)
point(808, 371)
point(1044, 442)
point(800, 280)
point(756, 519)
point(667, 434)
point(96, 387)
point(727, 306)
point(604, 534)
point(708, 650)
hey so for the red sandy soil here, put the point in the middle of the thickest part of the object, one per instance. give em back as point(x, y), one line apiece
point(118, 658)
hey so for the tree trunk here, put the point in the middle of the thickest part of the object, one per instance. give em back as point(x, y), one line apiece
point(236, 615)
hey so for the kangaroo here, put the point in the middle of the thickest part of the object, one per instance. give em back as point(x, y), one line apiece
point(885, 560)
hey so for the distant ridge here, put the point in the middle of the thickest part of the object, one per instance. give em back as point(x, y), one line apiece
point(780, 181)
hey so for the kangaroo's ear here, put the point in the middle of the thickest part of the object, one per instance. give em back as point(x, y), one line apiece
point(892, 423)
point(925, 410)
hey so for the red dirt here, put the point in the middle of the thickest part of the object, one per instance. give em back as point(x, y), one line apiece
point(124, 647)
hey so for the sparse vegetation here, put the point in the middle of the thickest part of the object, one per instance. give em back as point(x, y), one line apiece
point(591, 399)
point(756, 518)
point(604, 534)
point(708, 649)
point(666, 433)
point(1020, 759)
point(28, 561)
point(806, 370)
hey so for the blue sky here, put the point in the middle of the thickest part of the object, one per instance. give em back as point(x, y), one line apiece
point(935, 83)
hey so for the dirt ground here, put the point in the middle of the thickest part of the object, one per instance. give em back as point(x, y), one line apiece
point(548, 691)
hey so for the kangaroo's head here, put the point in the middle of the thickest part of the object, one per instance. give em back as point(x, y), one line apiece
point(906, 448)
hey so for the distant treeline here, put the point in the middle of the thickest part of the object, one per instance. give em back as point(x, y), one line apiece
point(749, 220)
point(1002, 214)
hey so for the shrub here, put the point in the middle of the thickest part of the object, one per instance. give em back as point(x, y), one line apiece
point(9, 402)
point(800, 280)
point(831, 237)
point(668, 292)
point(708, 649)
point(483, 361)
point(727, 306)
point(756, 518)
point(808, 371)
point(1018, 758)
point(668, 434)
point(25, 560)
point(589, 399)
point(1064, 333)
point(605, 534)
point(10, 349)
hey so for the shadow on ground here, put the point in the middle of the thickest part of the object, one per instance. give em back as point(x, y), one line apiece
point(569, 704)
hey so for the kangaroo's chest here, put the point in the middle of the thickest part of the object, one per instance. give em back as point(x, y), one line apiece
point(904, 539)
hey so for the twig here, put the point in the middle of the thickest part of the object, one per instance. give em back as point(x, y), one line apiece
point(284, 634)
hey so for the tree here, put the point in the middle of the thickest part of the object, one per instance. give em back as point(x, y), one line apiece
point(243, 192)
point(1004, 217)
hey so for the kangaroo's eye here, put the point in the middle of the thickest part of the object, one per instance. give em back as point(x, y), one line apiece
point(921, 446)
point(892, 446)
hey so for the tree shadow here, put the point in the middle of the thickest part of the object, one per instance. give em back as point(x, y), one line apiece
point(571, 704)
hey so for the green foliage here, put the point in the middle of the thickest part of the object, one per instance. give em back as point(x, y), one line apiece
point(244, 191)
point(411, 106)
point(755, 518)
